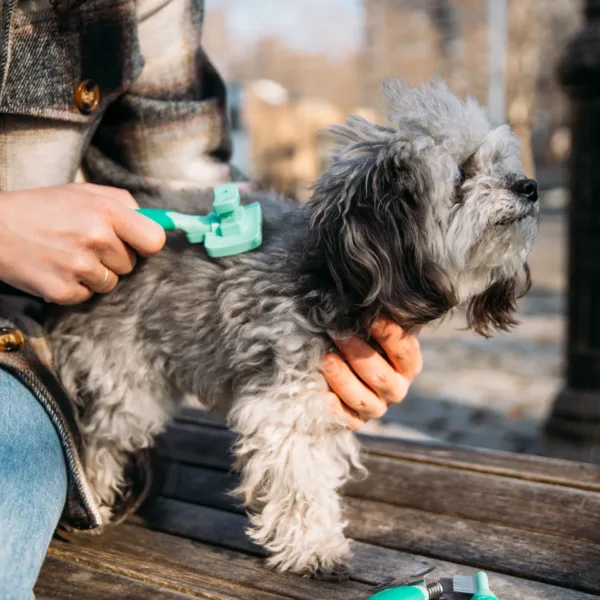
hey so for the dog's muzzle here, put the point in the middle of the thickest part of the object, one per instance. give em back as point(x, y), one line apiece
point(527, 189)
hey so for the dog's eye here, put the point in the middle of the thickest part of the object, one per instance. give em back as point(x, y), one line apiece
point(460, 176)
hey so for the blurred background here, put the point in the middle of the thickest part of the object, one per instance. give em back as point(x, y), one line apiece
point(292, 68)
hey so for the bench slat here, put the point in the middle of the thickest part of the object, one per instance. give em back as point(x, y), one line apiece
point(206, 446)
point(530, 521)
point(379, 563)
point(557, 560)
point(194, 423)
point(198, 567)
point(506, 464)
point(434, 487)
point(529, 554)
point(192, 562)
point(517, 502)
point(65, 579)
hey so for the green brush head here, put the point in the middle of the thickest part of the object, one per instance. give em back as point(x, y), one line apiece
point(240, 227)
point(483, 588)
point(405, 592)
point(478, 586)
point(231, 229)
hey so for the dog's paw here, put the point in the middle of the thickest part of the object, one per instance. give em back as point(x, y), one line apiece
point(105, 515)
point(339, 573)
point(98, 531)
point(329, 561)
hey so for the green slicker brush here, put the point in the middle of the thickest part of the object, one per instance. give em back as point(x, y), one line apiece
point(231, 229)
point(478, 586)
point(414, 588)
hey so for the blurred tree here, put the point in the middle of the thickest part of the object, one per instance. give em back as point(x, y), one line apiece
point(523, 66)
point(537, 31)
point(415, 39)
point(445, 15)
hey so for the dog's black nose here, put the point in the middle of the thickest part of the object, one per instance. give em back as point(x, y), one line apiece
point(528, 188)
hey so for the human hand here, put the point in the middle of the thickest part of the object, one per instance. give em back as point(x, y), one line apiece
point(364, 387)
point(58, 242)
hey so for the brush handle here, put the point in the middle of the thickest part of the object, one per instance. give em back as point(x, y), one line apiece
point(483, 588)
point(231, 229)
point(402, 593)
point(160, 216)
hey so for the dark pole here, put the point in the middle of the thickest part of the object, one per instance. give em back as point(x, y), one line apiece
point(575, 416)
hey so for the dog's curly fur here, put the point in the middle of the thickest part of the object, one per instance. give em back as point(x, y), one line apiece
point(411, 221)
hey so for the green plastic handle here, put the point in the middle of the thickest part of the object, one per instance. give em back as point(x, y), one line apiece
point(231, 229)
point(402, 593)
point(160, 216)
point(483, 588)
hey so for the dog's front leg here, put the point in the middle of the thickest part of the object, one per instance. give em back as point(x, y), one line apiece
point(293, 457)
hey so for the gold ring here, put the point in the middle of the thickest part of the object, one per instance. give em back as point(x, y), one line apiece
point(105, 278)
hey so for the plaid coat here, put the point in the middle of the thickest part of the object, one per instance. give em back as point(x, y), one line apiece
point(160, 112)
point(112, 91)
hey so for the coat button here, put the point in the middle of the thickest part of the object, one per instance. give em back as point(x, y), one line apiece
point(10, 339)
point(87, 96)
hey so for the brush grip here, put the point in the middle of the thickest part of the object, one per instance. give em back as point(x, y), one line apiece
point(160, 216)
point(483, 588)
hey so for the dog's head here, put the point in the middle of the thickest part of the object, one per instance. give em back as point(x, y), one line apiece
point(430, 213)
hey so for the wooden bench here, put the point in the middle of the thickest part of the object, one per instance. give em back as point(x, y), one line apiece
point(532, 523)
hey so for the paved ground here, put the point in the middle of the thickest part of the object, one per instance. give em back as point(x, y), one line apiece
point(493, 393)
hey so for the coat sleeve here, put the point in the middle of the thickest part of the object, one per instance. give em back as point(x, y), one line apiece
point(170, 127)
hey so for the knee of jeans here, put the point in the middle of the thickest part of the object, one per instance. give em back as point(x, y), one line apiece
point(30, 447)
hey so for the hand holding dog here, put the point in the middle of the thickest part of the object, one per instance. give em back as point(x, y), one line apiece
point(58, 242)
point(367, 385)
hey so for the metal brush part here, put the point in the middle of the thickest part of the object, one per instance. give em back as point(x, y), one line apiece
point(435, 590)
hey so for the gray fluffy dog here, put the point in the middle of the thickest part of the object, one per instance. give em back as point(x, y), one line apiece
point(410, 221)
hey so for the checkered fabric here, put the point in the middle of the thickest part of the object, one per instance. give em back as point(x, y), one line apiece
point(161, 114)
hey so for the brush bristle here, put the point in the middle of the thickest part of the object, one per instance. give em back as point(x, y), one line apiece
point(464, 584)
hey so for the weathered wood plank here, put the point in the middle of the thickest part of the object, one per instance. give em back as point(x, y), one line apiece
point(184, 435)
point(194, 415)
point(527, 554)
point(379, 563)
point(374, 565)
point(198, 485)
point(570, 562)
point(208, 487)
point(206, 446)
point(433, 488)
point(65, 579)
point(205, 524)
point(481, 496)
point(446, 493)
point(196, 567)
point(412, 511)
point(505, 464)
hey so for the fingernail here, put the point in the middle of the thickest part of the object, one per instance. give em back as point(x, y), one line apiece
point(330, 366)
point(340, 337)
point(379, 325)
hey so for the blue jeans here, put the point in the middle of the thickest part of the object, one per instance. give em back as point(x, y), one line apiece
point(33, 487)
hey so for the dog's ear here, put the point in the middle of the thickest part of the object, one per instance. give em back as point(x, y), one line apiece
point(368, 230)
point(496, 306)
